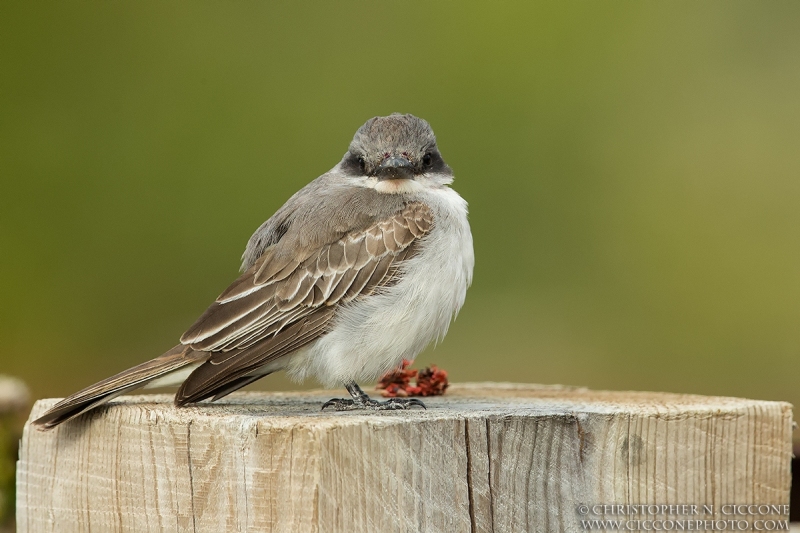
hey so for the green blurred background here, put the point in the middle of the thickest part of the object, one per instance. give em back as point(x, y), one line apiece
point(631, 169)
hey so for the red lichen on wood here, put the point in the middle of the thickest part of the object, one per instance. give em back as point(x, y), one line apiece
point(431, 381)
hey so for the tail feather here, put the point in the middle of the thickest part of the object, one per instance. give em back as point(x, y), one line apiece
point(133, 378)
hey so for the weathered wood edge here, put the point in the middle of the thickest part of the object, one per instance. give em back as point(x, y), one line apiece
point(463, 399)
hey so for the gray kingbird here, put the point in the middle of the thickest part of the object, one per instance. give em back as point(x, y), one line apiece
point(360, 269)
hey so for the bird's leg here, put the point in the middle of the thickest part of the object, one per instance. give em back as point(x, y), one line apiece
point(360, 400)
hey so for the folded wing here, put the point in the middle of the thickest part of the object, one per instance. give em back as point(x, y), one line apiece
point(282, 303)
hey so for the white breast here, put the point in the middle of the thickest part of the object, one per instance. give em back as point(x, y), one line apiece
point(374, 334)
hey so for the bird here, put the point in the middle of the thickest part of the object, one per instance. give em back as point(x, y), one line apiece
point(363, 267)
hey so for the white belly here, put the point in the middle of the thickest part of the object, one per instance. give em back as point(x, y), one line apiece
point(374, 334)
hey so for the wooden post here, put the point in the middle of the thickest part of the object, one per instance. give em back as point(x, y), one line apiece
point(485, 457)
point(14, 402)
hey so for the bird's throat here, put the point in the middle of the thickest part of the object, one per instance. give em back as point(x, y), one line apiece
point(397, 186)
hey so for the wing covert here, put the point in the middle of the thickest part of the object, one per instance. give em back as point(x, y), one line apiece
point(278, 291)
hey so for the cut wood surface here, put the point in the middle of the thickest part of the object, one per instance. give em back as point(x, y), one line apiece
point(484, 457)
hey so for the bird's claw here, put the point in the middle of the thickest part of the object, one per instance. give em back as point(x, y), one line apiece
point(339, 404)
point(392, 404)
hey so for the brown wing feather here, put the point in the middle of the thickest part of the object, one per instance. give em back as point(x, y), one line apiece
point(220, 371)
point(278, 305)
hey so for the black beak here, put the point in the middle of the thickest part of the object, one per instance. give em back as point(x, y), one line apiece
point(395, 168)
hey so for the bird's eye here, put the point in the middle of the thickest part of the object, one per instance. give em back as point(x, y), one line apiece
point(426, 160)
point(362, 163)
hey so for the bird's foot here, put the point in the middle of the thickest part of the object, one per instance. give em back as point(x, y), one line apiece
point(360, 401)
point(392, 404)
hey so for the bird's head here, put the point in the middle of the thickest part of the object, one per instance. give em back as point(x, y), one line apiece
point(396, 154)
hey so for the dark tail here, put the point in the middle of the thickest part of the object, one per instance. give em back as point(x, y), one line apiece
point(125, 381)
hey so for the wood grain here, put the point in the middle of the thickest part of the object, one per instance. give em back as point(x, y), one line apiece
point(485, 457)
